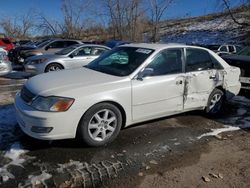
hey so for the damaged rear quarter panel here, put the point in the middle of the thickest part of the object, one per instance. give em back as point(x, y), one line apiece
point(198, 87)
point(231, 81)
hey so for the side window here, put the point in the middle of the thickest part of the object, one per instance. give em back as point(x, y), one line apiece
point(69, 43)
point(85, 51)
point(167, 62)
point(57, 44)
point(231, 49)
point(98, 50)
point(197, 60)
point(223, 49)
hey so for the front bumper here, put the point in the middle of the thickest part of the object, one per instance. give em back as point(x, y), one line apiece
point(33, 69)
point(63, 124)
point(5, 68)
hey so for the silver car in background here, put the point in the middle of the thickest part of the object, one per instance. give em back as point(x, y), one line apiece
point(74, 56)
point(5, 64)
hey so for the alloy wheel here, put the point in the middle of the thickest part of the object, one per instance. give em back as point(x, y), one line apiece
point(102, 125)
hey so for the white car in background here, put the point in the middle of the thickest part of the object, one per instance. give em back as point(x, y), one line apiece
point(5, 64)
point(71, 57)
point(127, 85)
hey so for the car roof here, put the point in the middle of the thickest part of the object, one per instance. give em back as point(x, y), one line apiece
point(159, 46)
point(92, 45)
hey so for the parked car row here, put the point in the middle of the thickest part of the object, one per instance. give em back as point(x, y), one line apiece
point(74, 56)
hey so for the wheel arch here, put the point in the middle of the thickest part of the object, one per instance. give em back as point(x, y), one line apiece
point(54, 63)
point(116, 104)
point(220, 87)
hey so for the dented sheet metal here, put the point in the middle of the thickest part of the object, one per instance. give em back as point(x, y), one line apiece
point(199, 85)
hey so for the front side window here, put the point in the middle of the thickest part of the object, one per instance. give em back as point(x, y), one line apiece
point(84, 51)
point(223, 49)
point(167, 62)
point(197, 60)
point(57, 44)
point(98, 51)
point(70, 43)
point(121, 61)
point(67, 50)
point(245, 51)
point(231, 49)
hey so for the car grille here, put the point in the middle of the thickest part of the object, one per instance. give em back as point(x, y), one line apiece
point(26, 95)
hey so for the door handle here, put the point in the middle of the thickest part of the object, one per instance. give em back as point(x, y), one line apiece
point(212, 77)
point(179, 82)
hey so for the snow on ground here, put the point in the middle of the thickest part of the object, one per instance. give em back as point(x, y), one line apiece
point(36, 181)
point(218, 131)
point(10, 148)
point(234, 123)
point(212, 31)
point(15, 155)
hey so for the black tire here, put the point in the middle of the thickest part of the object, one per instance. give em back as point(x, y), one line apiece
point(56, 67)
point(86, 135)
point(212, 106)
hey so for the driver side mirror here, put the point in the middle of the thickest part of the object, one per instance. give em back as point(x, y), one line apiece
point(71, 55)
point(146, 72)
point(47, 47)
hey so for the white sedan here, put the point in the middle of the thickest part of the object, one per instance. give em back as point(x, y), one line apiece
point(129, 84)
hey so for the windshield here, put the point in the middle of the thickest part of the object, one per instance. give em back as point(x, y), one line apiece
point(65, 51)
point(43, 44)
point(120, 61)
point(245, 51)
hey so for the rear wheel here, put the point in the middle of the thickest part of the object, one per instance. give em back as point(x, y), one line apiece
point(215, 102)
point(100, 124)
point(53, 67)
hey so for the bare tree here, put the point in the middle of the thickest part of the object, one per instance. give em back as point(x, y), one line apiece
point(46, 26)
point(226, 5)
point(157, 10)
point(126, 18)
point(74, 13)
point(18, 27)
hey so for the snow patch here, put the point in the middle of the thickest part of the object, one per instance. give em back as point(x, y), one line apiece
point(11, 149)
point(15, 154)
point(36, 181)
point(218, 131)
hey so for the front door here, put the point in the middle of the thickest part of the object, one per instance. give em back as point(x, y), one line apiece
point(160, 93)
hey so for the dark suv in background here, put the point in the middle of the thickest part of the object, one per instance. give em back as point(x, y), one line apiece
point(241, 60)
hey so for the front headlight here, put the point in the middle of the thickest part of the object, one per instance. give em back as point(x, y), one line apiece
point(37, 61)
point(52, 104)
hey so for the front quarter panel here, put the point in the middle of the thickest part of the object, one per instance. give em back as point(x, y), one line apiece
point(117, 92)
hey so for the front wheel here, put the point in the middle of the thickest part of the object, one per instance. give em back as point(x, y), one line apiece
point(100, 124)
point(215, 102)
point(53, 67)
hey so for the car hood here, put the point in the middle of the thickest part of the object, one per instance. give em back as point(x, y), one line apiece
point(57, 83)
point(46, 56)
